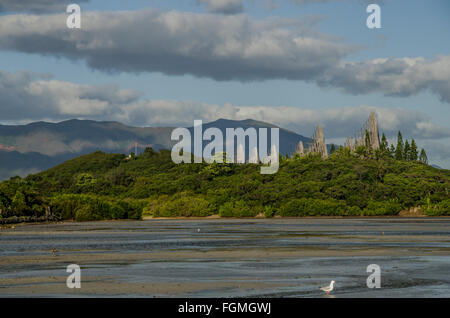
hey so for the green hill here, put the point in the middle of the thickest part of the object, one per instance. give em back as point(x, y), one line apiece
point(108, 186)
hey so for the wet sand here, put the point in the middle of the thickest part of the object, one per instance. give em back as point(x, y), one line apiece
point(228, 257)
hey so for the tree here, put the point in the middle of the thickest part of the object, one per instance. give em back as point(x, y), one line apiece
point(423, 156)
point(4, 200)
point(332, 148)
point(406, 151)
point(392, 151)
point(19, 203)
point(4, 204)
point(367, 139)
point(384, 144)
point(149, 152)
point(399, 149)
point(413, 155)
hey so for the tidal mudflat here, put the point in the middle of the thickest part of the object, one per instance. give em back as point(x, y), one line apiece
point(228, 257)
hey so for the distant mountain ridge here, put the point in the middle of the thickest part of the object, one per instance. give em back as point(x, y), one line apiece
point(79, 136)
point(38, 146)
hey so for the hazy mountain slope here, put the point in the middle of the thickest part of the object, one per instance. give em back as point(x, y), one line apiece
point(79, 136)
point(13, 163)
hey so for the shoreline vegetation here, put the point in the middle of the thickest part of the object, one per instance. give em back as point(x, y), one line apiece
point(102, 186)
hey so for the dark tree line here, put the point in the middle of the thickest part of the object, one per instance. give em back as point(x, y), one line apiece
point(405, 150)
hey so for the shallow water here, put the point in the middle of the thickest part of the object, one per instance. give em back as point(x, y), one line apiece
point(230, 258)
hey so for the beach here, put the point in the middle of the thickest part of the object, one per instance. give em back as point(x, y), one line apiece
point(289, 257)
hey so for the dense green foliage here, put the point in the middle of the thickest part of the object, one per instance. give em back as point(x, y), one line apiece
point(112, 186)
point(441, 208)
point(85, 207)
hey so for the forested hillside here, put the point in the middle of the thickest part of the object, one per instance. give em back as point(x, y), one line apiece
point(112, 186)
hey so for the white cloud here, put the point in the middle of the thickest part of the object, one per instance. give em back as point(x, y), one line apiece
point(27, 97)
point(223, 6)
point(303, 2)
point(392, 76)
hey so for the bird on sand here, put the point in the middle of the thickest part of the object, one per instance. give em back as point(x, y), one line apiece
point(329, 288)
point(53, 251)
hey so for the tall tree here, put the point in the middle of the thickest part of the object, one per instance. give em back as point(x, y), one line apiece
point(399, 149)
point(392, 151)
point(384, 144)
point(413, 155)
point(406, 151)
point(423, 156)
point(332, 148)
point(367, 139)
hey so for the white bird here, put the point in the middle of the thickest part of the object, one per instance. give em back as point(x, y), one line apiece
point(329, 288)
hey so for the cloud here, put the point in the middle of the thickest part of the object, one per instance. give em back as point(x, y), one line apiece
point(272, 4)
point(312, 1)
point(223, 6)
point(392, 76)
point(363, 2)
point(337, 122)
point(28, 96)
point(439, 150)
point(221, 47)
point(35, 6)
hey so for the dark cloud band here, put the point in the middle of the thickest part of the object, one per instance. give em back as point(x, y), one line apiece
point(221, 47)
point(36, 6)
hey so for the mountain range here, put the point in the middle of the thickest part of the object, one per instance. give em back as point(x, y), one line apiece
point(38, 146)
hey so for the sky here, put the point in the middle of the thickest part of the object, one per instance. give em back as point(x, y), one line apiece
point(294, 63)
